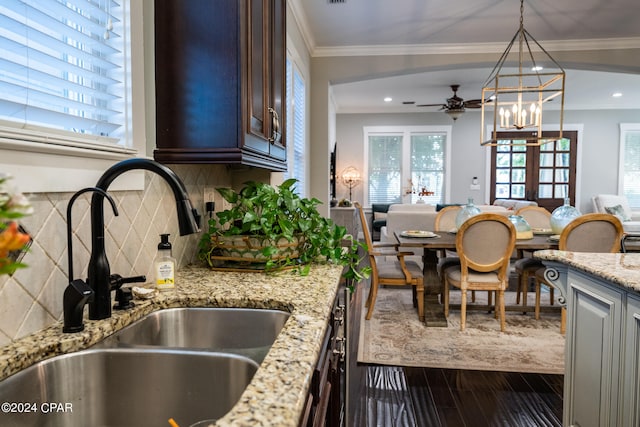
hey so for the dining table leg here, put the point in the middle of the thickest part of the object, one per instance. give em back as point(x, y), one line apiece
point(433, 309)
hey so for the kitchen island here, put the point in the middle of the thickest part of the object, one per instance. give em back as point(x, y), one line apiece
point(602, 353)
point(278, 392)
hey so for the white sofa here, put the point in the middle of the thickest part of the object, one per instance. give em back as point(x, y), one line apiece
point(619, 206)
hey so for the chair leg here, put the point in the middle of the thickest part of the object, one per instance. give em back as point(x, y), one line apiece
point(445, 296)
point(368, 302)
point(551, 298)
point(473, 296)
point(463, 308)
point(490, 301)
point(373, 293)
point(537, 307)
point(523, 288)
point(420, 296)
point(500, 307)
point(414, 296)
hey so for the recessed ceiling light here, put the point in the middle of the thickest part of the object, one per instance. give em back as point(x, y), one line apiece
point(616, 94)
point(388, 99)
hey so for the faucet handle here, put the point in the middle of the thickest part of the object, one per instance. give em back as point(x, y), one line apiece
point(116, 281)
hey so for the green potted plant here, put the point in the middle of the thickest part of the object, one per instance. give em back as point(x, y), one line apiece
point(271, 228)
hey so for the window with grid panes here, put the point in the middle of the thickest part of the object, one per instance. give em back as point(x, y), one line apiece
point(544, 174)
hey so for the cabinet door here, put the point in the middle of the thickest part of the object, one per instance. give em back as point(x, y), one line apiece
point(593, 347)
point(257, 72)
point(265, 77)
point(630, 407)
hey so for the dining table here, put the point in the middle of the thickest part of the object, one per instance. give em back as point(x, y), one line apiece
point(432, 243)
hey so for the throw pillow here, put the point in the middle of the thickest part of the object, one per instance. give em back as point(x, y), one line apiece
point(379, 215)
point(618, 211)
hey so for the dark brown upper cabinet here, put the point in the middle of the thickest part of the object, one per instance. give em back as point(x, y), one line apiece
point(220, 82)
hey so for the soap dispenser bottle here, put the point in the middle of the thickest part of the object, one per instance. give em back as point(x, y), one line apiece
point(165, 265)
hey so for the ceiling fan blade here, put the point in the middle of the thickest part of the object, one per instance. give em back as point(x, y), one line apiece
point(432, 105)
point(473, 103)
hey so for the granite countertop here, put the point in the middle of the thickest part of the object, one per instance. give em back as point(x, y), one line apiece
point(278, 392)
point(617, 268)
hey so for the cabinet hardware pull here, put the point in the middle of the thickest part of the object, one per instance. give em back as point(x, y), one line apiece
point(340, 350)
point(275, 126)
point(339, 314)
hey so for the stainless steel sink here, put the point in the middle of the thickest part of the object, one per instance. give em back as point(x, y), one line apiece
point(125, 387)
point(244, 331)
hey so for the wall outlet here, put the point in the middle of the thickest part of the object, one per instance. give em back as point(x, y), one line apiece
point(474, 186)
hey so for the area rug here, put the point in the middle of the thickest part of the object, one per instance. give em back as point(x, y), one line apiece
point(395, 336)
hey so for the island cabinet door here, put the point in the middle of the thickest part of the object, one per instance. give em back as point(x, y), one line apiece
point(593, 352)
point(630, 408)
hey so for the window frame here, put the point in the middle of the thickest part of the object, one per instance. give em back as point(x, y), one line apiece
point(405, 171)
point(625, 128)
point(46, 160)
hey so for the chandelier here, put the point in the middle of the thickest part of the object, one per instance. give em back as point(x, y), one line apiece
point(520, 101)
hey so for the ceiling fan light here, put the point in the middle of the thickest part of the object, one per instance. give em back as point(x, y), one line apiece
point(455, 113)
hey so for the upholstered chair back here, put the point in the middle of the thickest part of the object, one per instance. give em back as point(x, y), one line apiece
point(536, 216)
point(446, 218)
point(485, 243)
point(593, 232)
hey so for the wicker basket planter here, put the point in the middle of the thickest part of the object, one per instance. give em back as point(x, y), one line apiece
point(251, 249)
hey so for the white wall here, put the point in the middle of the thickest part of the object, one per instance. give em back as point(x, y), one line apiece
point(598, 152)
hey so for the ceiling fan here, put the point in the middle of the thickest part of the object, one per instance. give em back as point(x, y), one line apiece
point(455, 105)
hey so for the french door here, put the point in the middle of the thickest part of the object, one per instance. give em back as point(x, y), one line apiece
point(544, 174)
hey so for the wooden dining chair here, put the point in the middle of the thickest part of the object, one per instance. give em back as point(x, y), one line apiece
point(594, 232)
point(446, 218)
point(446, 222)
point(484, 244)
point(389, 267)
point(526, 267)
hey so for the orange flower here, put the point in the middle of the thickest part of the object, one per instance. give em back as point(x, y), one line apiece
point(11, 239)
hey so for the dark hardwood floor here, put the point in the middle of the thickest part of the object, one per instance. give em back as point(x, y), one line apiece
point(393, 396)
point(403, 396)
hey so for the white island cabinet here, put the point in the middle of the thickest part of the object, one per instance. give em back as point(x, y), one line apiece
point(602, 354)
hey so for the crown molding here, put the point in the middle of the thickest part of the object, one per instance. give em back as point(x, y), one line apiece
point(303, 23)
point(469, 48)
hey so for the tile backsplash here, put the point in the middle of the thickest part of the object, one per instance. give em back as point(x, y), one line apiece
point(32, 298)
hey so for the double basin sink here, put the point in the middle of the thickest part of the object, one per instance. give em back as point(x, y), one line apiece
point(188, 364)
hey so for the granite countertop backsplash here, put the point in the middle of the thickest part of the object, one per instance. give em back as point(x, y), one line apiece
point(620, 269)
point(277, 394)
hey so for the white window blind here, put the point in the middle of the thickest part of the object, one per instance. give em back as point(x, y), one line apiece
point(403, 162)
point(296, 136)
point(385, 168)
point(62, 68)
point(630, 163)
